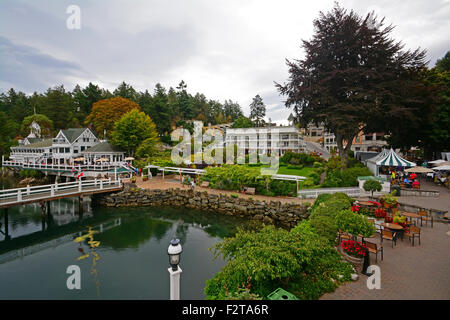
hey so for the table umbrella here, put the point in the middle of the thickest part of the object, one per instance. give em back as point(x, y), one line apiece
point(443, 168)
point(419, 170)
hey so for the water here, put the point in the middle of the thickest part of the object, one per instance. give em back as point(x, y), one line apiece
point(131, 261)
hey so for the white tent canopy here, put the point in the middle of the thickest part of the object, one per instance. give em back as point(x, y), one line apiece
point(394, 160)
point(372, 162)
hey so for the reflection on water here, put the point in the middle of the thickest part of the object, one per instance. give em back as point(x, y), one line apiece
point(123, 249)
point(91, 253)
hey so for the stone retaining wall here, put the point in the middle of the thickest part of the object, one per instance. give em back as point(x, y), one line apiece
point(419, 193)
point(286, 215)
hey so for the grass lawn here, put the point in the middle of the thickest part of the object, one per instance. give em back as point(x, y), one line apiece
point(305, 171)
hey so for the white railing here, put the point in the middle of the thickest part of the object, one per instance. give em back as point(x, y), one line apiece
point(20, 194)
point(314, 193)
point(59, 167)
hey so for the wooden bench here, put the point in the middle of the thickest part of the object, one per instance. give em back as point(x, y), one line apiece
point(205, 184)
point(249, 190)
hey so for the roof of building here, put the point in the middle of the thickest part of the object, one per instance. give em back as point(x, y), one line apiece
point(104, 147)
point(73, 133)
point(34, 140)
point(44, 143)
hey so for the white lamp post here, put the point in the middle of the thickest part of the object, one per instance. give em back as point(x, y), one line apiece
point(174, 252)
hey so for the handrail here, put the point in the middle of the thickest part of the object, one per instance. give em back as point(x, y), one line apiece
point(19, 193)
point(64, 167)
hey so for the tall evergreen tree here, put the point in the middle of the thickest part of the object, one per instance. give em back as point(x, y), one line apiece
point(355, 76)
point(257, 111)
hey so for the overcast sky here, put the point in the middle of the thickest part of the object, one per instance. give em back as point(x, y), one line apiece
point(226, 49)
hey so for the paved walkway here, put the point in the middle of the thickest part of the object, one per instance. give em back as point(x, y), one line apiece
point(170, 182)
point(407, 272)
point(440, 203)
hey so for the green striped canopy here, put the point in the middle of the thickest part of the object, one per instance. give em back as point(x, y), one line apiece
point(394, 160)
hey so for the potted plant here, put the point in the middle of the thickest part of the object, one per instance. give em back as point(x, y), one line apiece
point(380, 214)
point(144, 178)
point(353, 252)
point(389, 200)
point(133, 179)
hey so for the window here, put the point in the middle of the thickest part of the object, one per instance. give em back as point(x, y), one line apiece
point(82, 148)
point(67, 150)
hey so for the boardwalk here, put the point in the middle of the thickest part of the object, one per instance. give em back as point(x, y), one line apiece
point(21, 196)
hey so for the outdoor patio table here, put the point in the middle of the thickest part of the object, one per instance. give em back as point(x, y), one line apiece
point(395, 227)
point(366, 203)
point(411, 215)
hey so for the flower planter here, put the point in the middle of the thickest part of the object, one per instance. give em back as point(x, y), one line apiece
point(357, 263)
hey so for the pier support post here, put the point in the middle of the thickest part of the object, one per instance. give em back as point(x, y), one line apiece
point(80, 205)
point(5, 212)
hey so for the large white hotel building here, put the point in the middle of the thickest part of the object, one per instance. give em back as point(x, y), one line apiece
point(266, 139)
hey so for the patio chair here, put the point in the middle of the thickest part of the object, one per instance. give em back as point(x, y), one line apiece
point(378, 228)
point(389, 235)
point(374, 248)
point(414, 232)
point(344, 236)
point(425, 217)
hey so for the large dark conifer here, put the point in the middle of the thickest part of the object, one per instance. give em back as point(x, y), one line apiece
point(353, 77)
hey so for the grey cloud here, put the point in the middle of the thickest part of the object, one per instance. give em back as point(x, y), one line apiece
point(28, 69)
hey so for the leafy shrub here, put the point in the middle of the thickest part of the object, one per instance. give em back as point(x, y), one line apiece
point(318, 165)
point(354, 224)
point(345, 178)
point(315, 177)
point(296, 260)
point(320, 199)
point(29, 173)
point(234, 195)
point(295, 167)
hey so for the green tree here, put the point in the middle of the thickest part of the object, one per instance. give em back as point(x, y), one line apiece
point(106, 112)
point(243, 122)
point(126, 91)
point(355, 77)
point(257, 111)
point(232, 110)
point(85, 98)
point(8, 130)
point(133, 129)
point(58, 105)
point(372, 185)
point(45, 123)
point(443, 64)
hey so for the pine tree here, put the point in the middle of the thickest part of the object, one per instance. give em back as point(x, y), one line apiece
point(257, 111)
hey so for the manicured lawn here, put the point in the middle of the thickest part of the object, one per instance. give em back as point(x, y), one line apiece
point(305, 171)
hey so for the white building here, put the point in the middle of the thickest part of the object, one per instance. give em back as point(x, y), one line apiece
point(266, 139)
point(68, 145)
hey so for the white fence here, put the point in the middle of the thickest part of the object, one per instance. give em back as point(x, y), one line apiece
point(59, 167)
point(314, 193)
point(49, 190)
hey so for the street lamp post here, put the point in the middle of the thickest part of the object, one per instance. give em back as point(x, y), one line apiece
point(174, 252)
